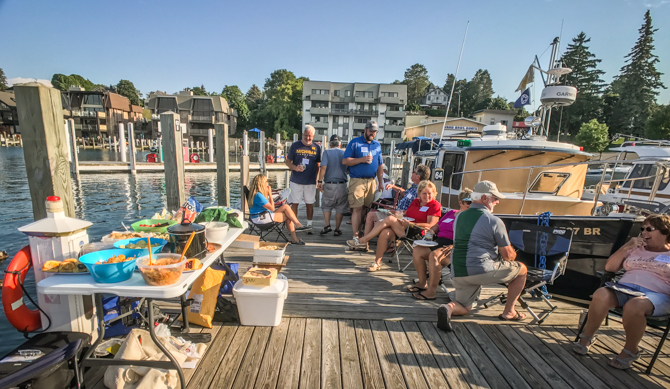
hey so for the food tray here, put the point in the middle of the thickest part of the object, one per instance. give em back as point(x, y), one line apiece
point(270, 256)
point(161, 230)
point(108, 238)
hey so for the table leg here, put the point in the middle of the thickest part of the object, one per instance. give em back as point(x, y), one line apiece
point(99, 311)
point(184, 314)
point(152, 332)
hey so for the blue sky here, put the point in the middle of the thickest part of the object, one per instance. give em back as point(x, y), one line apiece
point(168, 45)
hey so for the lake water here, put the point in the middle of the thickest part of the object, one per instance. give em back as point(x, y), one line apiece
point(106, 200)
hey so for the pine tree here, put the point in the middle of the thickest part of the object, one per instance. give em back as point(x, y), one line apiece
point(586, 77)
point(637, 85)
point(3, 80)
point(416, 79)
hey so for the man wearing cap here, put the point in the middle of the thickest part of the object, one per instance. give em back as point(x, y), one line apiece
point(475, 260)
point(333, 184)
point(303, 159)
point(364, 158)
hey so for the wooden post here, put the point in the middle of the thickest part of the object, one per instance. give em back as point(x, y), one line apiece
point(222, 162)
point(122, 143)
point(131, 142)
point(174, 160)
point(244, 169)
point(74, 167)
point(45, 150)
point(210, 145)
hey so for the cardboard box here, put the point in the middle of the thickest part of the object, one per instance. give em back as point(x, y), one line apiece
point(277, 266)
point(260, 277)
point(270, 256)
point(246, 241)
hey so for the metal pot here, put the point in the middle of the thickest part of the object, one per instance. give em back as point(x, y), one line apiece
point(179, 234)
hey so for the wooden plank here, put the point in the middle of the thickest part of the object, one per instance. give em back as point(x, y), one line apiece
point(429, 366)
point(271, 365)
point(388, 360)
point(331, 373)
point(468, 366)
point(253, 355)
point(173, 160)
point(289, 377)
point(455, 377)
point(370, 368)
point(205, 372)
point(93, 377)
point(408, 363)
point(486, 367)
point(351, 366)
point(227, 369)
point(310, 372)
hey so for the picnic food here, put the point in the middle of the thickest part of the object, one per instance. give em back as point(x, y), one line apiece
point(125, 235)
point(156, 275)
point(51, 266)
point(141, 244)
point(155, 225)
point(270, 248)
point(193, 264)
point(70, 265)
point(115, 259)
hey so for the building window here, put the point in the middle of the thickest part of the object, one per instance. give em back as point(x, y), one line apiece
point(503, 122)
point(320, 92)
point(389, 94)
point(361, 120)
point(347, 93)
point(345, 119)
point(320, 119)
point(340, 106)
point(336, 93)
point(319, 104)
point(373, 107)
point(364, 94)
point(493, 121)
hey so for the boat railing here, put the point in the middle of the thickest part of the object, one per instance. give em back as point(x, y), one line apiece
point(662, 167)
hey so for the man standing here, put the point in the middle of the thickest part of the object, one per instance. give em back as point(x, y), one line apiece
point(333, 183)
point(474, 259)
point(303, 159)
point(364, 158)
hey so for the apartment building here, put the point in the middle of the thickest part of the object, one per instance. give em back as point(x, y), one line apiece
point(343, 108)
point(197, 113)
point(493, 116)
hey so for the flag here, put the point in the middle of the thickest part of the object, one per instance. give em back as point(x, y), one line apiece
point(524, 99)
point(527, 79)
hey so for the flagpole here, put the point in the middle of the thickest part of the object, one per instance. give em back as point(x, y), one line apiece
point(451, 95)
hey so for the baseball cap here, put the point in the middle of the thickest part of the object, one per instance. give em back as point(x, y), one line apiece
point(372, 125)
point(334, 138)
point(488, 187)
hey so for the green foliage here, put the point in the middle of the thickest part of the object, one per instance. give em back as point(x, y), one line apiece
point(593, 136)
point(127, 89)
point(199, 91)
point(416, 79)
point(458, 90)
point(436, 112)
point(473, 94)
point(3, 80)
point(282, 109)
point(637, 84)
point(253, 97)
point(521, 113)
point(236, 101)
point(658, 124)
point(413, 107)
point(63, 82)
point(586, 77)
point(493, 103)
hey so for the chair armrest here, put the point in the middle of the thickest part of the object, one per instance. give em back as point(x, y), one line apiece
point(606, 277)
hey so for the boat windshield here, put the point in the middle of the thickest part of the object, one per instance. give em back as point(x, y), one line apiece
point(647, 170)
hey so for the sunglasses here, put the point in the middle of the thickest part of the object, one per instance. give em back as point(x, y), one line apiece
point(648, 229)
point(466, 202)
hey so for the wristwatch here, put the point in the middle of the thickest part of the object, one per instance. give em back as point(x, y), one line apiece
point(320, 182)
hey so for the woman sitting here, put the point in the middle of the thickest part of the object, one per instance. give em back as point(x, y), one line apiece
point(644, 290)
point(262, 210)
point(425, 211)
point(438, 256)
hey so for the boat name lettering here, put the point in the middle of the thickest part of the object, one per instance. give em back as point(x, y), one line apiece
point(585, 230)
point(559, 232)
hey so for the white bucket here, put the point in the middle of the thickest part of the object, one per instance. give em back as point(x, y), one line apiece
point(215, 232)
point(260, 306)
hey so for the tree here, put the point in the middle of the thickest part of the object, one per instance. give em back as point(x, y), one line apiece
point(586, 77)
point(658, 124)
point(127, 89)
point(253, 97)
point(475, 92)
point(458, 88)
point(283, 107)
point(199, 91)
point(416, 79)
point(63, 82)
point(236, 101)
point(637, 84)
point(493, 103)
point(593, 136)
point(3, 80)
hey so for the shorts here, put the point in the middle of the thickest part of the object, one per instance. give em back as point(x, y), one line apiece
point(361, 192)
point(468, 288)
point(660, 301)
point(335, 197)
point(263, 218)
point(302, 194)
point(441, 242)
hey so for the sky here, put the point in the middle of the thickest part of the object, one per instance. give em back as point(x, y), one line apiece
point(169, 45)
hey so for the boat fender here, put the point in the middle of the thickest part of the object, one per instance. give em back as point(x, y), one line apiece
point(16, 311)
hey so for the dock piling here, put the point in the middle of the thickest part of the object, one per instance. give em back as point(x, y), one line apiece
point(173, 160)
point(131, 142)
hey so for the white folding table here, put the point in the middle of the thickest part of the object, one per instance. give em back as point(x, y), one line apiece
point(134, 287)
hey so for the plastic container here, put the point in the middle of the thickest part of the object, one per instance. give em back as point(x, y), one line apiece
point(260, 306)
point(215, 232)
point(161, 230)
point(107, 273)
point(270, 256)
point(160, 274)
point(109, 239)
point(95, 246)
point(142, 252)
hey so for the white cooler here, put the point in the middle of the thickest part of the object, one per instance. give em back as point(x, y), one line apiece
point(260, 306)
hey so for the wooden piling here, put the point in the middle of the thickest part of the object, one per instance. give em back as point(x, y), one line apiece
point(133, 151)
point(222, 162)
point(45, 149)
point(74, 163)
point(173, 160)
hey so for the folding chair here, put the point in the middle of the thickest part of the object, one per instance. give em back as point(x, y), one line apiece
point(537, 246)
point(406, 243)
point(658, 322)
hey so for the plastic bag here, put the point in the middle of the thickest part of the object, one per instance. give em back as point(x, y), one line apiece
point(189, 210)
point(162, 330)
point(105, 347)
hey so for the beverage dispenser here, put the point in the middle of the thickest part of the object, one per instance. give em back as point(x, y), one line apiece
point(56, 238)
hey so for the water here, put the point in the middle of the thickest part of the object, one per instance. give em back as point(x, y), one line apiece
point(106, 200)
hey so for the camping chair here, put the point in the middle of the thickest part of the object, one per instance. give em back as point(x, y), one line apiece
point(265, 229)
point(658, 322)
point(536, 244)
point(406, 243)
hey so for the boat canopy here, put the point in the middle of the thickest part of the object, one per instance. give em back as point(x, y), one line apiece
point(418, 144)
point(525, 145)
point(645, 151)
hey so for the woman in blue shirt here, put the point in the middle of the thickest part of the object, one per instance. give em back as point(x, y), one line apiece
point(262, 209)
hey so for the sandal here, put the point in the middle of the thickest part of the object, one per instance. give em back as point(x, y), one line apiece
point(579, 348)
point(443, 319)
point(420, 296)
point(375, 266)
point(624, 363)
point(414, 289)
point(518, 317)
point(337, 232)
point(325, 230)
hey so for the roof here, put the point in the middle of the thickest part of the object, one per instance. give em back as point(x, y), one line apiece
point(8, 98)
point(116, 101)
point(645, 151)
point(136, 108)
point(499, 111)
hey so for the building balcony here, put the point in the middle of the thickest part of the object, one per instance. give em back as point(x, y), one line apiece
point(337, 111)
point(319, 111)
point(319, 97)
point(359, 99)
point(390, 100)
point(365, 112)
point(89, 114)
point(201, 119)
point(395, 114)
point(319, 125)
point(198, 132)
point(359, 126)
point(394, 128)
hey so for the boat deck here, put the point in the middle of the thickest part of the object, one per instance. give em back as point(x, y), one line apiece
point(344, 327)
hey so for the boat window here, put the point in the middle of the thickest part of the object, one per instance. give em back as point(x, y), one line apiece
point(549, 182)
point(430, 163)
point(452, 163)
point(648, 171)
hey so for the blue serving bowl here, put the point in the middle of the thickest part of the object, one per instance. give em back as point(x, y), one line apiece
point(112, 272)
point(142, 252)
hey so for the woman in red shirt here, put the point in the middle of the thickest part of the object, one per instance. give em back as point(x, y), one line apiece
point(425, 211)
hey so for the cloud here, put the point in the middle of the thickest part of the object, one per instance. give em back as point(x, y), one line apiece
point(650, 3)
point(23, 80)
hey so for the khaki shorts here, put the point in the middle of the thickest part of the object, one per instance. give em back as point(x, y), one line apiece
point(361, 192)
point(335, 198)
point(468, 288)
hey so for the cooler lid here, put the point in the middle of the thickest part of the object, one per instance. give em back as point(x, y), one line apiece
point(55, 227)
point(277, 289)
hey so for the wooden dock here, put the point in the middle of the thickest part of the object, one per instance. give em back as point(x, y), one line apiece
point(94, 167)
point(344, 327)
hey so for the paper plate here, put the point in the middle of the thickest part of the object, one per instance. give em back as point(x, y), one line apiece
point(378, 195)
point(425, 243)
point(409, 219)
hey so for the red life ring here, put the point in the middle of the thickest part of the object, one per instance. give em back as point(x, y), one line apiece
point(16, 311)
point(195, 158)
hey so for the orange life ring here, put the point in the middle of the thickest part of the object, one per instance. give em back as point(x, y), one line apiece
point(16, 311)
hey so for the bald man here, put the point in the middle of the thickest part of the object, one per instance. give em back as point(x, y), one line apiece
point(304, 158)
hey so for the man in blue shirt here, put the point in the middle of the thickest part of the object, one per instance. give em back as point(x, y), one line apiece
point(364, 158)
point(303, 159)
